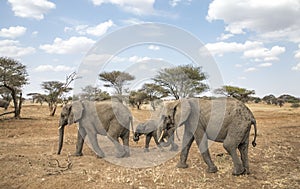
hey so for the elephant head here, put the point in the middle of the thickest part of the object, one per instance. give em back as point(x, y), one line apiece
point(175, 115)
point(140, 129)
point(71, 113)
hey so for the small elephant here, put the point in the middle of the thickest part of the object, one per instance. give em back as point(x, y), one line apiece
point(149, 129)
point(225, 120)
point(4, 104)
point(108, 118)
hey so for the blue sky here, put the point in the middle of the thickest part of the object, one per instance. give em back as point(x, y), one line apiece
point(255, 43)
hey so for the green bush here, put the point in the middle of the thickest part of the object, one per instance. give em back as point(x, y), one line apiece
point(295, 105)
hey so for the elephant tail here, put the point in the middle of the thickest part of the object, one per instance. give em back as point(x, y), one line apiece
point(131, 123)
point(253, 122)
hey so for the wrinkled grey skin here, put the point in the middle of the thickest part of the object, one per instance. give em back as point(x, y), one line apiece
point(4, 104)
point(149, 129)
point(202, 124)
point(166, 131)
point(111, 119)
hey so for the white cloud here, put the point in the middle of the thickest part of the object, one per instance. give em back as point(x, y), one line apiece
point(132, 21)
point(137, 59)
point(31, 8)
point(251, 69)
point(153, 47)
point(70, 46)
point(100, 29)
point(97, 30)
point(225, 36)
point(253, 50)
point(262, 52)
point(174, 3)
point(58, 68)
point(12, 48)
point(297, 53)
point(267, 64)
point(220, 48)
point(13, 31)
point(297, 67)
point(137, 7)
point(276, 20)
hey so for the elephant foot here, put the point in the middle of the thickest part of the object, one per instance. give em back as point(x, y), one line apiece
point(238, 172)
point(78, 154)
point(100, 156)
point(146, 150)
point(122, 154)
point(182, 165)
point(213, 169)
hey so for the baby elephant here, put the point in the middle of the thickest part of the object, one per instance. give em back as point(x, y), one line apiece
point(149, 129)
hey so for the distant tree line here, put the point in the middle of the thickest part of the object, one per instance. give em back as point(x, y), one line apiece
point(183, 81)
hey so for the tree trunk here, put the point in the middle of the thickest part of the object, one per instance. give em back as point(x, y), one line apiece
point(16, 105)
point(52, 112)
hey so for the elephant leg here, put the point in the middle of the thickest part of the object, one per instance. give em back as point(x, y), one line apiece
point(148, 138)
point(125, 139)
point(80, 140)
point(174, 147)
point(120, 152)
point(202, 142)
point(95, 146)
point(154, 134)
point(231, 145)
point(243, 148)
point(187, 141)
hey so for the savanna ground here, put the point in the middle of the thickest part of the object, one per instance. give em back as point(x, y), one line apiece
point(28, 156)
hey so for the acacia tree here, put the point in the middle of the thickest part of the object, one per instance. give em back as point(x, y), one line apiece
point(182, 81)
point(93, 93)
point(116, 80)
point(13, 76)
point(154, 92)
point(137, 98)
point(241, 94)
point(55, 90)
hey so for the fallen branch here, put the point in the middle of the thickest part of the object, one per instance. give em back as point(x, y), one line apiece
point(7, 113)
point(59, 166)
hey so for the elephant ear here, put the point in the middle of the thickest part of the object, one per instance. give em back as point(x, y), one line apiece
point(182, 110)
point(76, 114)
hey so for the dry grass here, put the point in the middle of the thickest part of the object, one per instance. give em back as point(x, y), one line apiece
point(28, 159)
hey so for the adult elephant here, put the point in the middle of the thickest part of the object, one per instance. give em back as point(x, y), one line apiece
point(222, 120)
point(108, 118)
point(4, 104)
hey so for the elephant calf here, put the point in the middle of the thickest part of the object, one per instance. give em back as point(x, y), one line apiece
point(149, 129)
point(108, 118)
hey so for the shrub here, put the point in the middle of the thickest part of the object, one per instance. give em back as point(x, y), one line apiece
point(295, 105)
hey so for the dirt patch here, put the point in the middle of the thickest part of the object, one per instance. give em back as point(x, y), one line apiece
point(28, 157)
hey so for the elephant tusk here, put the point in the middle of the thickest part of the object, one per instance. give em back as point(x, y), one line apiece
point(161, 136)
point(59, 127)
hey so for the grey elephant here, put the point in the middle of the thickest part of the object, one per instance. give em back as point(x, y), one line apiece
point(4, 104)
point(150, 129)
point(112, 119)
point(223, 120)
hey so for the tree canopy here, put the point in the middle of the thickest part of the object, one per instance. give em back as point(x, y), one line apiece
point(116, 79)
point(93, 93)
point(13, 76)
point(241, 94)
point(182, 81)
point(55, 90)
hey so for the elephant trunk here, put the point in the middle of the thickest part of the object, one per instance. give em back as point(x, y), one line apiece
point(61, 131)
point(136, 137)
